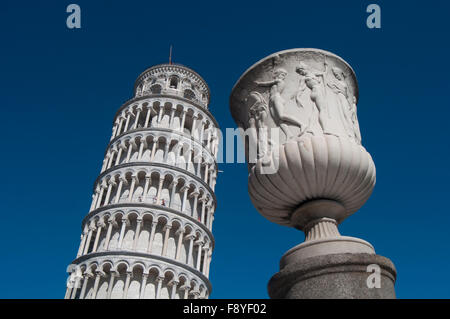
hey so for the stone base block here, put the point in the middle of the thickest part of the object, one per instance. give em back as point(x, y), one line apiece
point(326, 246)
point(335, 276)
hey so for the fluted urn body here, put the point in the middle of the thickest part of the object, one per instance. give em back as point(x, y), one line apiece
point(307, 167)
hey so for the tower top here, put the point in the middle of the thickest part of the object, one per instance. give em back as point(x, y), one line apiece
point(170, 77)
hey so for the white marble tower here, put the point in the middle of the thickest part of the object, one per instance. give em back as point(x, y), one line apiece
point(148, 231)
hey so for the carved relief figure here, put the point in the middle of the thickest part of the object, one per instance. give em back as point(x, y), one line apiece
point(329, 118)
point(276, 105)
point(258, 111)
point(257, 120)
point(354, 118)
point(339, 87)
point(303, 101)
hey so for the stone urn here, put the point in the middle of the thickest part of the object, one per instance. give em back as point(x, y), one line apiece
point(297, 111)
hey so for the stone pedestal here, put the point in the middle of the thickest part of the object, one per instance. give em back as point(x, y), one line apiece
point(334, 276)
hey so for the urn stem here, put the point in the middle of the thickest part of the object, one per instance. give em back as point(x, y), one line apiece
point(321, 228)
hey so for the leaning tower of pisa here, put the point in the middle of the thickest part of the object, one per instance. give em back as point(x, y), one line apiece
point(148, 230)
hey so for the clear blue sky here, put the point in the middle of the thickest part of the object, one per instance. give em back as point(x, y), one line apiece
point(60, 88)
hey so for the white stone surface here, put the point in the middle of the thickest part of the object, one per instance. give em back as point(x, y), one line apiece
point(326, 246)
point(298, 109)
point(148, 232)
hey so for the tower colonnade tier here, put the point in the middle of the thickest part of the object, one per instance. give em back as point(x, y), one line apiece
point(148, 233)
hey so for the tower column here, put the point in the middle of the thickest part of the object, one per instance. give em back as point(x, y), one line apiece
point(97, 281)
point(182, 120)
point(97, 236)
point(171, 117)
point(111, 183)
point(183, 204)
point(202, 215)
point(206, 173)
point(99, 200)
point(194, 119)
point(122, 180)
point(199, 166)
point(152, 236)
point(208, 214)
point(180, 234)
point(127, 285)
point(111, 158)
point(68, 292)
point(159, 281)
point(86, 277)
point(211, 177)
point(208, 140)
point(152, 157)
point(130, 148)
point(141, 148)
point(120, 126)
point(194, 207)
point(138, 113)
point(136, 235)
point(158, 195)
point(211, 221)
point(209, 263)
point(147, 183)
point(172, 196)
point(112, 275)
point(108, 234)
point(133, 184)
point(205, 259)
point(83, 240)
point(94, 200)
point(190, 252)
point(122, 231)
point(147, 119)
point(202, 126)
point(114, 130)
point(173, 284)
point(143, 285)
point(199, 254)
point(166, 151)
point(75, 288)
point(160, 114)
point(186, 291)
point(127, 122)
point(119, 155)
point(166, 239)
point(88, 242)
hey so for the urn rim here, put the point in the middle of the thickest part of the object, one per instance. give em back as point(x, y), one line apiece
point(282, 52)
